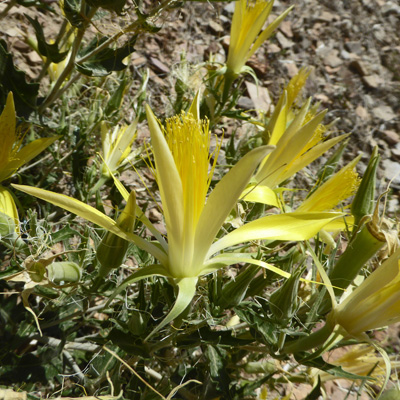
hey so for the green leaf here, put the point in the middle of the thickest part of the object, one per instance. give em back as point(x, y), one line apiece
point(49, 51)
point(107, 60)
point(111, 5)
point(71, 10)
point(13, 80)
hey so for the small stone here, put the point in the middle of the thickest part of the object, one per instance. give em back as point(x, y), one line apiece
point(361, 67)
point(323, 98)
point(159, 66)
point(291, 69)
point(245, 103)
point(272, 48)
point(21, 46)
point(283, 41)
point(354, 47)
point(384, 112)
point(286, 28)
point(215, 27)
point(155, 215)
point(259, 95)
point(372, 81)
point(390, 137)
point(363, 113)
point(326, 16)
point(34, 58)
point(332, 59)
point(391, 169)
point(139, 61)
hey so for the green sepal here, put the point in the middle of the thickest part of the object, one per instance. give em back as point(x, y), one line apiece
point(283, 302)
point(363, 203)
point(234, 291)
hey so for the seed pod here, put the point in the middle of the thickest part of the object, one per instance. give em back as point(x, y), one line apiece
point(112, 249)
point(64, 272)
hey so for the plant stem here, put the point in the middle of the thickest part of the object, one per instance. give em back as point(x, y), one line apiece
point(55, 92)
point(10, 5)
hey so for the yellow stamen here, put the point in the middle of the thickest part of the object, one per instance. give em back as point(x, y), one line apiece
point(189, 141)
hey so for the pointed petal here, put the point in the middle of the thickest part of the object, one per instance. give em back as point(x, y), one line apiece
point(91, 214)
point(223, 198)
point(187, 290)
point(24, 155)
point(290, 226)
point(266, 33)
point(7, 207)
point(311, 155)
point(195, 106)
point(7, 129)
point(168, 180)
point(260, 194)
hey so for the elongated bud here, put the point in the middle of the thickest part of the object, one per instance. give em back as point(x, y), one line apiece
point(112, 249)
point(234, 291)
point(283, 302)
point(363, 203)
point(64, 272)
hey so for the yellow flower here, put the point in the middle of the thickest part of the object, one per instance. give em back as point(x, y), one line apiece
point(337, 188)
point(12, 155)
point(373, 304)
point(182, 158)
point(9, 221)
point(359, 360)
point(116, 146)
point(299, 140)
point(247, 35)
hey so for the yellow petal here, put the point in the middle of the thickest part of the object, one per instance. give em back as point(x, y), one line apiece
point(289, 226)
point(91, 214)
point(223, 198)
point(168, 180)
point(260, 194)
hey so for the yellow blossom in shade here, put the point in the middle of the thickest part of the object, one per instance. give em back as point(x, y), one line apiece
point(358, 360)
point(9, 220)
point(375, 303)
point(116, 145)
point(297, 144)
point(247, 34)
point(12, 155)
point(337, 188)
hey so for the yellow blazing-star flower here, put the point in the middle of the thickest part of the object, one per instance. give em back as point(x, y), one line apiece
point(337, 188)
point(359, 360)
point(182, 167)
point(116, 145)
point(247, 35)
point(373, 304)
point(12, 155)
point(299, 140)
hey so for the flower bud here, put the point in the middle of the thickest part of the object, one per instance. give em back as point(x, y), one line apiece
point(63, 272)
point(112, 249)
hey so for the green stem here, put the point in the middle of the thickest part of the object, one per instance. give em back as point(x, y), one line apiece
point(10, 5)
point(55, 91)
point(130, 28)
